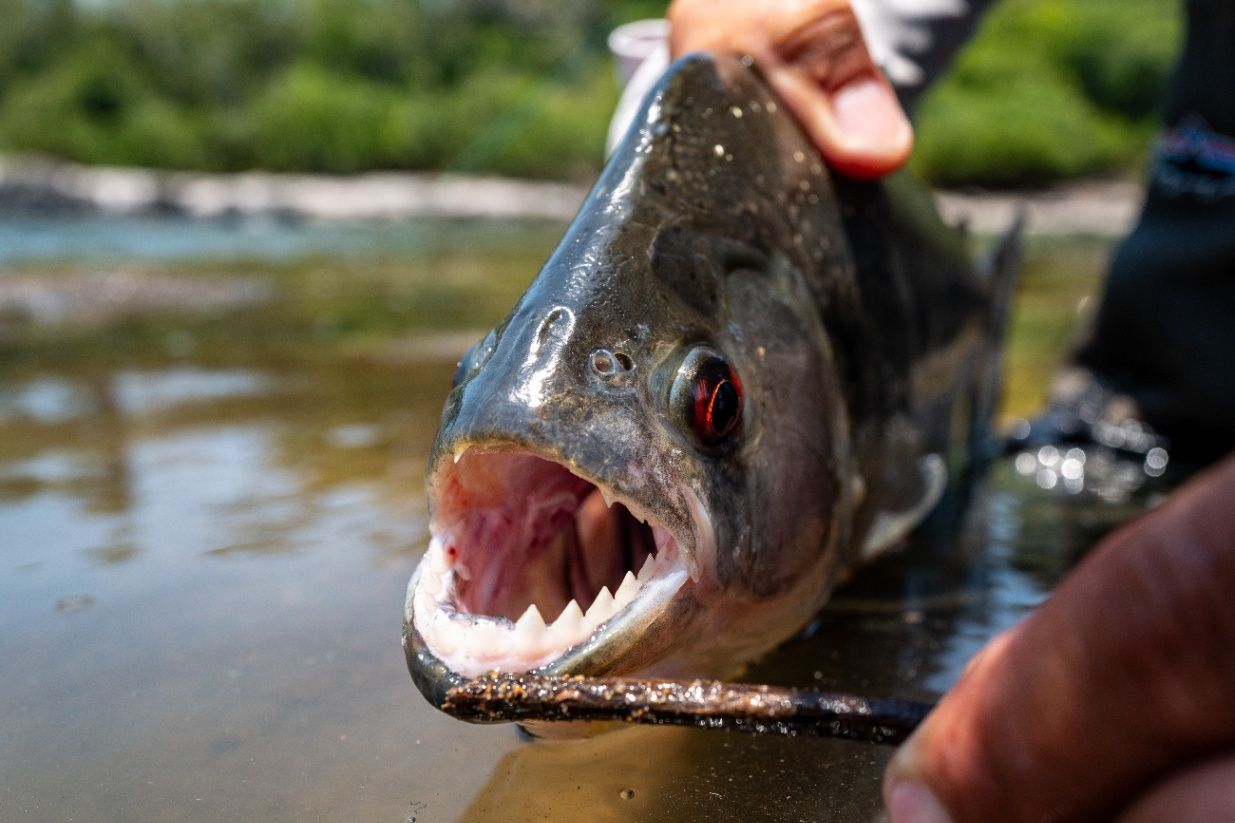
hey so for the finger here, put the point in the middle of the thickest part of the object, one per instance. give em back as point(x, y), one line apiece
point(1124, 673)
point(1197, 794)
point(814, 56)
point(825, 74)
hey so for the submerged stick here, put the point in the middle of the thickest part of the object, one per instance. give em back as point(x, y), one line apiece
point(706, 704)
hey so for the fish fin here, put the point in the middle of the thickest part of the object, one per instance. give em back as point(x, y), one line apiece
point(919, 489)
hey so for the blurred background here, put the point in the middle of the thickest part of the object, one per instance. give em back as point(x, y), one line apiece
point(226, 331)
point(514, 87)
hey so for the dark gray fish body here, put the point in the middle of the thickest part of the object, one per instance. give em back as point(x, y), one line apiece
point(735, 378)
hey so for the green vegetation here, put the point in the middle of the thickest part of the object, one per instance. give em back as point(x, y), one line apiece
point(1050, 89)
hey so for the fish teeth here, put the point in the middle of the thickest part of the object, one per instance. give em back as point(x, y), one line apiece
point(530, 629)
point(627, 591)
point(438, 561)
point(488, 640)
point(430, 581)
point(602, 609)
point(447, 634)
point(607, 497)
point(462, 570)
point(568, 628)
point(459, 450)
point(649, 569)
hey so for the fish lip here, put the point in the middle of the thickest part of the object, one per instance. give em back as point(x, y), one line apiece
point(435, 667)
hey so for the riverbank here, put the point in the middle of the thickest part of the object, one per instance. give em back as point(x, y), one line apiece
point(43, 188)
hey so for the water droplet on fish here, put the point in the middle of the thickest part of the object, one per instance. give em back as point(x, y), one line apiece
point(719, 150)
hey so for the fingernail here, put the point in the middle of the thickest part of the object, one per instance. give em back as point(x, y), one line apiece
point(869, 115)
point(911, 802)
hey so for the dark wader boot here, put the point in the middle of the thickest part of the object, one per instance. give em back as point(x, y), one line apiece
point(1161, 350)
point(1154, 381)
point(1157, 371)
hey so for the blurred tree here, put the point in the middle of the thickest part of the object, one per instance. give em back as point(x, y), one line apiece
point(1050, 88)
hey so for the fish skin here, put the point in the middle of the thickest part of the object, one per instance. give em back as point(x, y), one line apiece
point(866, 345)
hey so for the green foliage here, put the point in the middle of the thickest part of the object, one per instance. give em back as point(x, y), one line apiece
point(310, 118)
point(1050, 88)
point(514, 88)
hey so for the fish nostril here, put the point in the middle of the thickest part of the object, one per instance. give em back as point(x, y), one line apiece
point(607, 363)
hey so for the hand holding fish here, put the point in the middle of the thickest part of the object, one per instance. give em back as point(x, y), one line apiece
point(1114, 698)
point(813, 55)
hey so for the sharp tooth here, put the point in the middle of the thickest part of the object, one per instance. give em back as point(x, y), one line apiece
point(446, 635)
point(649, 569)
point(438, 561)
point(627, 591)
point(568, 628)
point(459, 450)
point(488, 640)
point(601, 609)
point(530, 629)
point(462, 570)
point(608, 498)
point(430, 581)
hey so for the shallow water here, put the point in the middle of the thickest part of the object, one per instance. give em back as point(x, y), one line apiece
point(208, 517)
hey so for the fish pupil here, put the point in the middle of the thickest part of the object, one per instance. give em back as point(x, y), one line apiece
point(718, 402)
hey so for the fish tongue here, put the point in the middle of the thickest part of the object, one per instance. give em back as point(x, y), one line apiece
point(599, 557)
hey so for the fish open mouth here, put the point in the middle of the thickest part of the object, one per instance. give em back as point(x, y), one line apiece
point(529, 560)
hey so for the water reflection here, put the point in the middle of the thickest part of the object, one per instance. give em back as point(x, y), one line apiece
point(202, 582)
point(204, 549)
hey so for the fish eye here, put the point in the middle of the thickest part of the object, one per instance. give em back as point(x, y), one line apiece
point(707, 396)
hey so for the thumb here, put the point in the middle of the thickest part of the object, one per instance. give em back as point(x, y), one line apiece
point(814, 56)
point(1123, 674)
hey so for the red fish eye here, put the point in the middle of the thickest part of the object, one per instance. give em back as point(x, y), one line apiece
point(706, 398)
point(717, 408)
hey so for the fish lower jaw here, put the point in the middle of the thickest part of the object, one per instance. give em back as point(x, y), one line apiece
point(473, 644)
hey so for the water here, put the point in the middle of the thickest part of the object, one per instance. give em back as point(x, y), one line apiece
point(209, 513)
point(111, 238)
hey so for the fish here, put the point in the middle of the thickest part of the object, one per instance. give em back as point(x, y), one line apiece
point(738, 377)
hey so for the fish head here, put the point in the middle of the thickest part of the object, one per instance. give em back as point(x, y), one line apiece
point(640, 469)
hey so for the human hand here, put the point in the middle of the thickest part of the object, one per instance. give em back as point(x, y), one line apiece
point(813, 55)
point(1115, 698)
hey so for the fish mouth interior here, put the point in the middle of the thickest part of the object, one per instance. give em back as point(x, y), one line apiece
point(528, 560)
